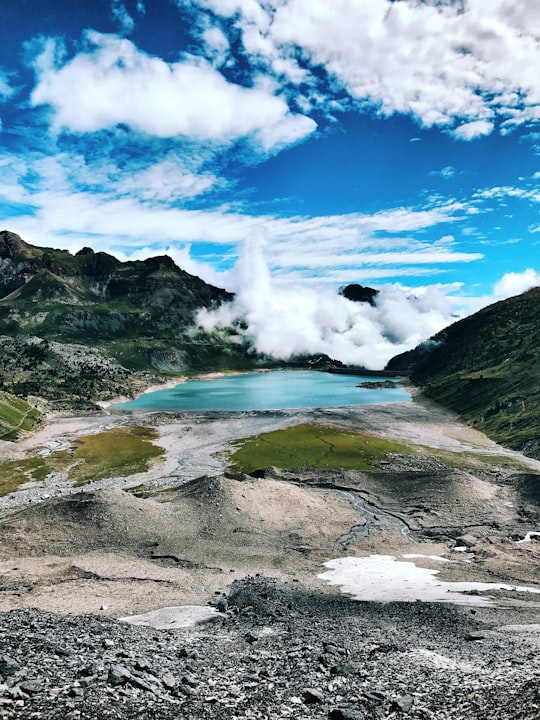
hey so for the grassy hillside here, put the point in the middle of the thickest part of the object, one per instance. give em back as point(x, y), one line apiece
point(16, 416)
point(487, 368)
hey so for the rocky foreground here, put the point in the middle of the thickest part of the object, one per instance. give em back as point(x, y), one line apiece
point(276, 651)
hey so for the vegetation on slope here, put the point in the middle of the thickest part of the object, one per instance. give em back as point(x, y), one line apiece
point(94, 299)
point(132, 317)
point(487, 368)
point(119, 452)
point(313, 446)
point(16, 416)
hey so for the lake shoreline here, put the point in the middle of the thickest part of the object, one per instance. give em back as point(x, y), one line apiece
point(264, 390)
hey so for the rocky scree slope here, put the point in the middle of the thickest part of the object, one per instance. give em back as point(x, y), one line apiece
point(276, 651)
point(486, 367)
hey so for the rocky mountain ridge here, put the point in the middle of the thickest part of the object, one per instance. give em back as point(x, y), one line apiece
point(137, 317)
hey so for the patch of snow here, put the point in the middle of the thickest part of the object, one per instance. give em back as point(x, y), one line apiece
point(382, 578)
point(528, 537)
point(171, 618)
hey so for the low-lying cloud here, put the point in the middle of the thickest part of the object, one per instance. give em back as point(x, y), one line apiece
point(283, 320)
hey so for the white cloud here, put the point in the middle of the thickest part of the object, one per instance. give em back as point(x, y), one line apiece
point(122, 17)
point(446, 173)
point(514, 283)
point(507, 191)
point(287, 319)
point(6, 91)
point(473, 130)
point(167, 180)
point(456, 65)
point(113, 82)
point(217, 45)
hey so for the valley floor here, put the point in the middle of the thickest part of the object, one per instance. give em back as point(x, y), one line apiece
point(183, 531)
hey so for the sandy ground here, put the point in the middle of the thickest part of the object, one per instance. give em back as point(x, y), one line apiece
point(104, 550)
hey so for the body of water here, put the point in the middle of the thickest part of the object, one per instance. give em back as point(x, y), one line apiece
point(276, 390)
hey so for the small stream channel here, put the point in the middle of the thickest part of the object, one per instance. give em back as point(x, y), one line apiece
point(374, 518)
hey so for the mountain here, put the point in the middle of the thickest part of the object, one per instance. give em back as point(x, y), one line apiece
point(134, 316)
point(486, 367)
point(359, 293)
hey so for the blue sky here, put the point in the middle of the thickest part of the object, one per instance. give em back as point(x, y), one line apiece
point(391, 143)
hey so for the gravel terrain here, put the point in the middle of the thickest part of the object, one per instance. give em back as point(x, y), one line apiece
point(276, 651)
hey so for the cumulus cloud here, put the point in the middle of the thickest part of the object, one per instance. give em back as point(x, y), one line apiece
point(289, 319)
point(112, 82)
point(514, 283)
point(217, 45)
point(459, 66)
point(472, 130)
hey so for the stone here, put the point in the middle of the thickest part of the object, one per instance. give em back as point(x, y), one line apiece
point(88, 670)
point(403, 704)
point(8, 665)
point(344, 668)
point(344, 713)
point(32, 686)
point(118, 675)
point(143, 684)
point(312, 696)
point(190, 680)
point(168, 680)
point(142, 664)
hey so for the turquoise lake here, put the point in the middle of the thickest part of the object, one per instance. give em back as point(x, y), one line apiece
point(276, 390)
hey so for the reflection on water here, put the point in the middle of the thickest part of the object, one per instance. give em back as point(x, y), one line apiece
point(280, 389)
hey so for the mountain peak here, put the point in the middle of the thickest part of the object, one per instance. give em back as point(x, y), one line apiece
point(12, 246)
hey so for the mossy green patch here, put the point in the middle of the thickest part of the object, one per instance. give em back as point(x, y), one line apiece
point(14, 473)
point(116, 452)
point(119, 452)
point(313, 446)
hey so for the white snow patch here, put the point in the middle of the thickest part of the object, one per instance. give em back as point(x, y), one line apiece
point(528, 537)
point(382, 578)
point(171, 618)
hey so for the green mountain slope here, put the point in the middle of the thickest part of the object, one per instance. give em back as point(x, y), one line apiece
point(16, 416)
point(486, 367)
point(136, 316)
